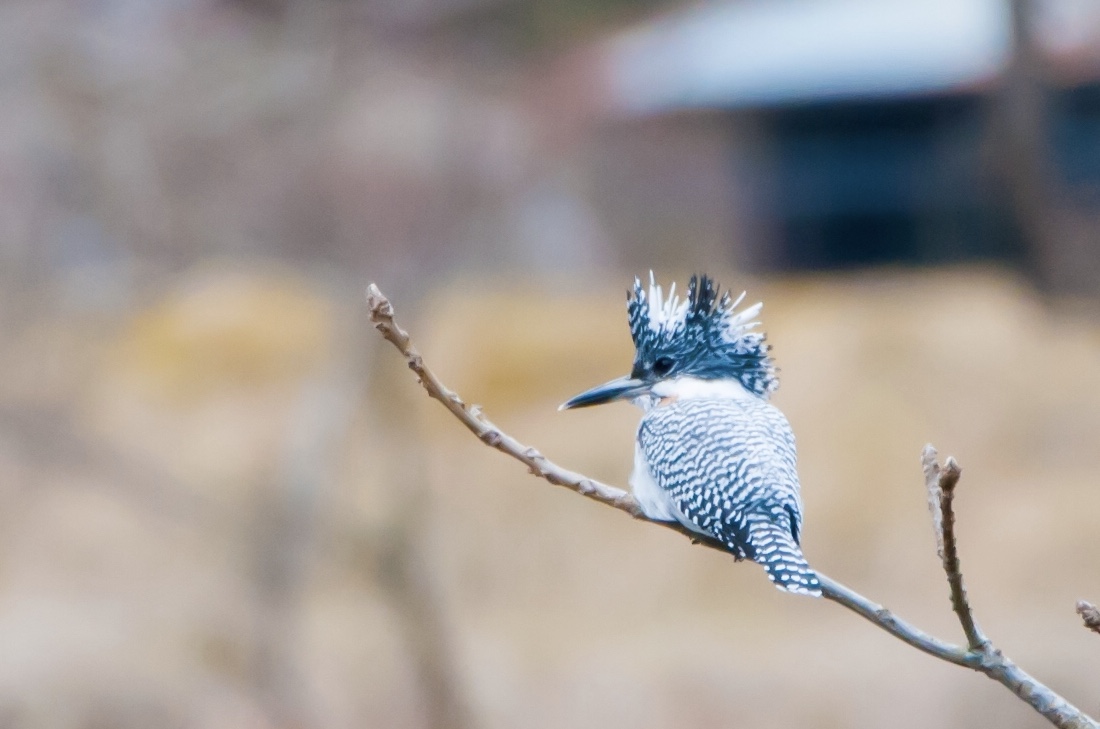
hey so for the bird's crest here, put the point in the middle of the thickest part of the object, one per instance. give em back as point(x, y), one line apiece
point(704, 332)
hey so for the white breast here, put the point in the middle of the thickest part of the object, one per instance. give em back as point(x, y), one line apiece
point(654, 500)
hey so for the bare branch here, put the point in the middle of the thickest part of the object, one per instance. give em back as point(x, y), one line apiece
point(472, 418)
point(883, 618)
point(941, 483)
point(539, 465)
point(981, 657)
point(1090, 614)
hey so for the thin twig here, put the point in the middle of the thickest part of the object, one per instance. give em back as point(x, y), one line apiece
point(1090, 614)
point(475, 420)
point(941, 483)
point(987, 660)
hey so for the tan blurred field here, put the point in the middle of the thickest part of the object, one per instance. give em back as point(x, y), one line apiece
point(235, 508)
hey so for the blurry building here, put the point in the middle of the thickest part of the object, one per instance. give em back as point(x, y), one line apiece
point(852, 132)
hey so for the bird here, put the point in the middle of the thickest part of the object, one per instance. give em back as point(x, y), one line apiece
point(711, 452)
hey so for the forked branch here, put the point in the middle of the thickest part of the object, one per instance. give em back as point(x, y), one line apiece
point(980, 655)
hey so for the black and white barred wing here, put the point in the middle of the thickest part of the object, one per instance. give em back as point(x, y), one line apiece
point(728, 468)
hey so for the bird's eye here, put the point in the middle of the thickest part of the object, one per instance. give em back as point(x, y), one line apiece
point(662, 366)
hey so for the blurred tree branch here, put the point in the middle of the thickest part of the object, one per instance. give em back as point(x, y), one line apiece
point(1061, 235)
point(397, 554)
point(979, 655)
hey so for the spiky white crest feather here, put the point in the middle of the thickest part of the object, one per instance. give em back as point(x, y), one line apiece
point(664, 313)
point(669, 313)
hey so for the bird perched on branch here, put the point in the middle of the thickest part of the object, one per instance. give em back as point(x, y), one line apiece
point(711, 452)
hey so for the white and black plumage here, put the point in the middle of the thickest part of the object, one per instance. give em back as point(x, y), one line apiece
point(711, 452)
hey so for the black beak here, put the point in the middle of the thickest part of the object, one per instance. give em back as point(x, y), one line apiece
point(623, 388)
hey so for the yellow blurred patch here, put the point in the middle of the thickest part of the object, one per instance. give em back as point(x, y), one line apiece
point(224, 331)
point(206, 382)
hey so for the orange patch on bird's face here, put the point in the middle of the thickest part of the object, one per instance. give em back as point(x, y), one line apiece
point(667, 400)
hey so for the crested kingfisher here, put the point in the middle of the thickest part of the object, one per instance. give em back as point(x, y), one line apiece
point(711, 452)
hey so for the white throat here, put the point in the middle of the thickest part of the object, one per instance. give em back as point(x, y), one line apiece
point(686, 388)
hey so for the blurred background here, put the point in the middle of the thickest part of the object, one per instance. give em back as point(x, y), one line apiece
point(225, 503)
